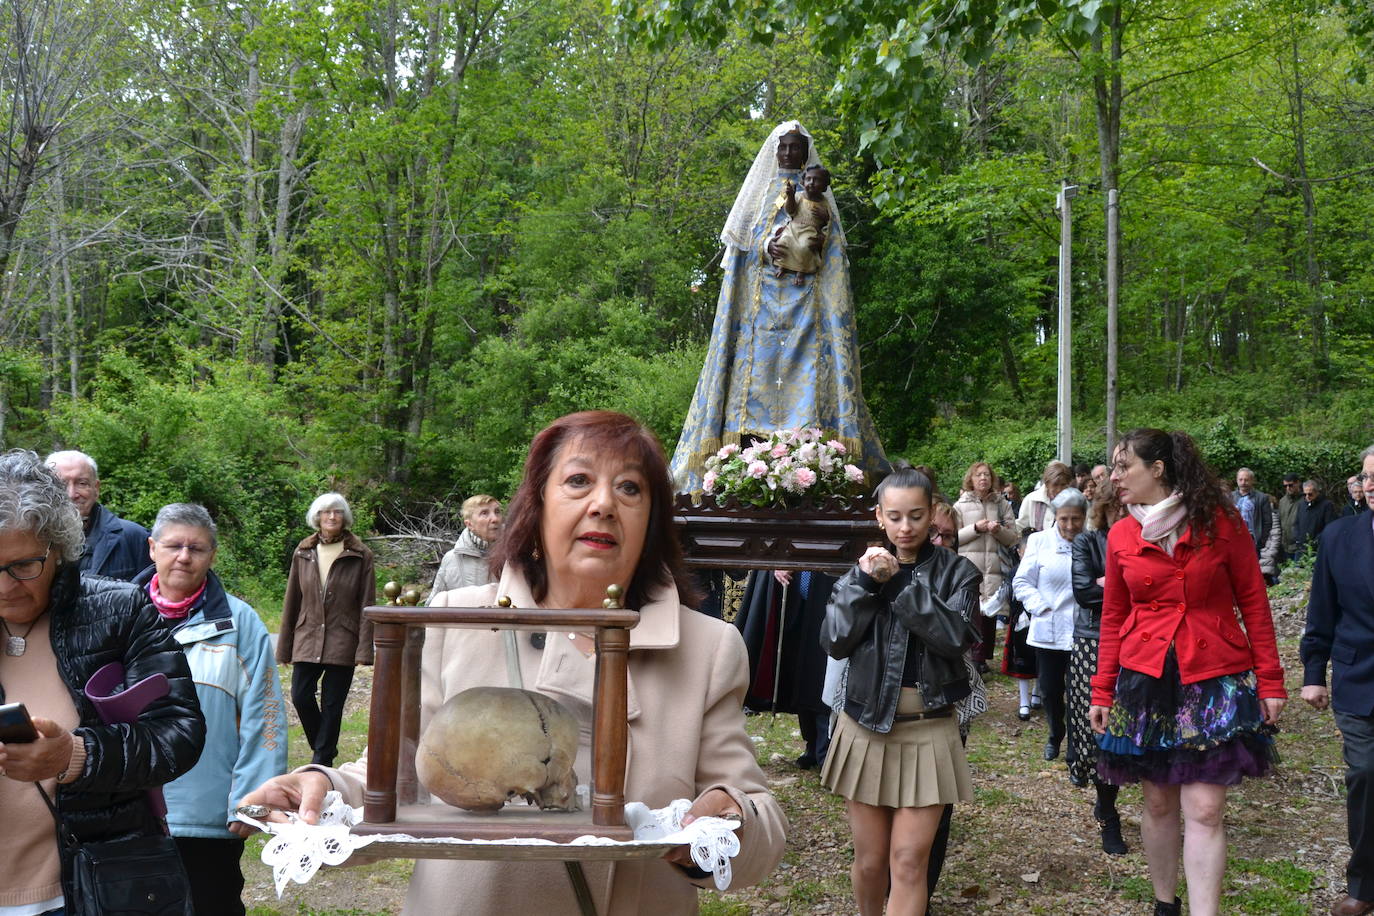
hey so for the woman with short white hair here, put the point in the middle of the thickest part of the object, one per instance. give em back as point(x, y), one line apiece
point(323, 632)
point(1044, 584)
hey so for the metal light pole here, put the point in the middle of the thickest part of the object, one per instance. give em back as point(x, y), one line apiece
point(1067, 192)
point(1113, 282)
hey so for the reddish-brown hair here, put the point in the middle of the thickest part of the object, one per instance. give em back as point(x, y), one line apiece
point(661, 562)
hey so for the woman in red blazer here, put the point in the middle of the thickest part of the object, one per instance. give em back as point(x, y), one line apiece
point(1184, 701)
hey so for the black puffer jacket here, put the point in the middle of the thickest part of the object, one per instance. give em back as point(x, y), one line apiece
point(1089, 565)
point(871, 623)
point(96, 621)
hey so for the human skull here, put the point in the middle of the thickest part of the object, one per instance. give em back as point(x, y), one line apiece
point(490, 744)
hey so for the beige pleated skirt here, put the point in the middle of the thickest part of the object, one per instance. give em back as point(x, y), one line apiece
point(916, 764)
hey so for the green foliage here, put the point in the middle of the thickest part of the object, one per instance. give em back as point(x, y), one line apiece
point(181, 437)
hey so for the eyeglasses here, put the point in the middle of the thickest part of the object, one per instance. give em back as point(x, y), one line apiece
point(942, 537)
point(23, 570)
point(1363, 478)
point(194, 550)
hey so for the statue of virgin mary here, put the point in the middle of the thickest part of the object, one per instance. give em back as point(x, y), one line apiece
point(781, 355)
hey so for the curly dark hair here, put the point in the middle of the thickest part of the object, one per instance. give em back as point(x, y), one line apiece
point(1186, 472)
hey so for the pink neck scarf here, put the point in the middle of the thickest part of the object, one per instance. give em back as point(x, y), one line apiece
point(172, 610)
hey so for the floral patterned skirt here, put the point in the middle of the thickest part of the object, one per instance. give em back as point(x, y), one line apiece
point(1172, 733)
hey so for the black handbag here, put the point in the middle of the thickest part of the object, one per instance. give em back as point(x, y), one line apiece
point(138, 876)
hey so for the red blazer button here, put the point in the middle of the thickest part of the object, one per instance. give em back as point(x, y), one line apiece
point(1154, 605)
point(1179, 574)
point(1145, 637)
point(1149, 581)
point(1202, 643)
point(1182, 607)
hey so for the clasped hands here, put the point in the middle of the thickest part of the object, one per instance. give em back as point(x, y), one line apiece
point(879, 563)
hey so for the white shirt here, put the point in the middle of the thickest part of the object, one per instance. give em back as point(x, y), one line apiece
point(1044, 584)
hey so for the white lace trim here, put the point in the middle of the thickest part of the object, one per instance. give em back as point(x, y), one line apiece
point(297, 850)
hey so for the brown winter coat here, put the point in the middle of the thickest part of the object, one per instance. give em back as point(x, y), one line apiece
point(687, 678)
point(980, 548)
point(325, 625)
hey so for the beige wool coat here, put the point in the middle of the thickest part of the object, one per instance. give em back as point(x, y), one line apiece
point(981, 548)
point(687, 677)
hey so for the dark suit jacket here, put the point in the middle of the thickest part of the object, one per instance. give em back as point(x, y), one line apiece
point(115, 547)
point(1310, 521)
point(1340, 616)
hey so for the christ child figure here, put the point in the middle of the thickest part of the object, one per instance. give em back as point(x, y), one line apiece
point(796, 247)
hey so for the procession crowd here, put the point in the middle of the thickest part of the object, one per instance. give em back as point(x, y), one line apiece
point(1127, 600)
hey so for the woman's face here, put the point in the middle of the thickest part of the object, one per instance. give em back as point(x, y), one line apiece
point(944, 532)
point(1069, 521)
point(331, 522)
point(982, 480)
point(22, 601)
point(486, 521)
point(595, 520)
point(792, 150)
point(183, 555)
point(1053, 489)
point(1134, 480)
point(904, 513)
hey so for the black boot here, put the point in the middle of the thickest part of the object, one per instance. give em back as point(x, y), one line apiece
point(1169, 909)
point(1112, 843)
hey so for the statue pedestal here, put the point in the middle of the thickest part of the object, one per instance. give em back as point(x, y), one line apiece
point(828, 537)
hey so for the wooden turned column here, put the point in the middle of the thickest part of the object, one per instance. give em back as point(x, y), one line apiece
point(610, 731)
point(407, 784)
point(384, 726)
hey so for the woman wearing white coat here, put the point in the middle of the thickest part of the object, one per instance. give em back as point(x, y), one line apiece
point(1044, 584)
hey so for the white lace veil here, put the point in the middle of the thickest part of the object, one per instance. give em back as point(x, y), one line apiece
point(753, 203)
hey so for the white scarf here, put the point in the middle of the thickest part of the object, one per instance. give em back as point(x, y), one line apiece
point(1162, 524)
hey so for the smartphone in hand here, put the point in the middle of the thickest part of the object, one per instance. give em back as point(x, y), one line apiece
point(15, 725)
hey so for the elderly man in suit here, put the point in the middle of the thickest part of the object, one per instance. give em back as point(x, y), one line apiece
point(1260, 518)
point(115, 547)
point(1340, 628)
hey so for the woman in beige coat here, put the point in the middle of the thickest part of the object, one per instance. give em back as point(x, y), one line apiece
point(986, 524)
point(594, 509)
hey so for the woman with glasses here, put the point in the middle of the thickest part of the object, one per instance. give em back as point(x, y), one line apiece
point(1044, 585)
point(58, 629)
point(323, 633)
point(230, 653)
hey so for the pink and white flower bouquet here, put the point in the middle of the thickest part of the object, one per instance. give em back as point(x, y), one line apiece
point(788, 466)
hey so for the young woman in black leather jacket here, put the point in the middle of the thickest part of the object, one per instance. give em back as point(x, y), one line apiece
point(900, 617)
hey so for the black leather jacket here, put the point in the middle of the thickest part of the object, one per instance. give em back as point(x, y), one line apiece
point(870, 623)
point(1089, 565)
point(96, 621)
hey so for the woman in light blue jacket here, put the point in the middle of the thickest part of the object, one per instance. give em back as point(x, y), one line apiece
point(1044, 584)
point(230, 653)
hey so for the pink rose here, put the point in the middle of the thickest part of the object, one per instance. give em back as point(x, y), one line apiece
point(837, 445)
point(805, 477)
point(779, 450)
point(757, 469)
point(853, 474)
point(749, 454)
point(727, 450)
point(708, 483)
